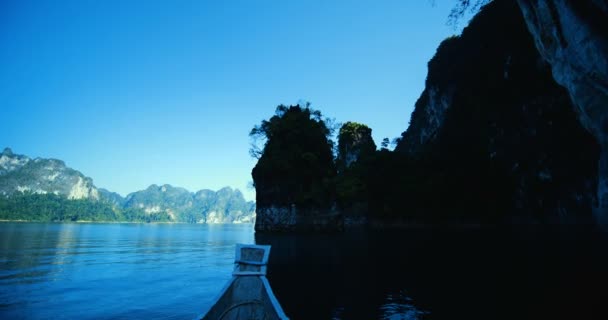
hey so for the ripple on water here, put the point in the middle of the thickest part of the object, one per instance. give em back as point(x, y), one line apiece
point(399, 306)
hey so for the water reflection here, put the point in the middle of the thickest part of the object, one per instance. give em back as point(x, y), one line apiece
point(338, 276)
point(485, 273)
point(24, 257)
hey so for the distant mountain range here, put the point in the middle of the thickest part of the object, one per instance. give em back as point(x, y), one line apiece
point(47, 190)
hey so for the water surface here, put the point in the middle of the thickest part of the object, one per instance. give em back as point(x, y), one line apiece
point(443, 273)
point(114, 271)
point(175, 271)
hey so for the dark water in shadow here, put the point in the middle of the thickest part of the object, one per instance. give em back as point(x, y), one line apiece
point(488, 273)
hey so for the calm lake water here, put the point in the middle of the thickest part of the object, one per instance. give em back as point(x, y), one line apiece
point(137, 271)
point(114, 271)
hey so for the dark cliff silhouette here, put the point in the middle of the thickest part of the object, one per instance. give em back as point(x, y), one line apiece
point(293, 176)
point(493, 139)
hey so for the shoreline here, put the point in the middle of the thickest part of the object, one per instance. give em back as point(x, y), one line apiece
point(370, 226)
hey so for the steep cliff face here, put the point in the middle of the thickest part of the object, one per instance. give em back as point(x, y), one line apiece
point(430, 110)
point(293, 176)
point(492, 113)
point(165, 198)
point(355, 143)
point(227, 205)
point(19, 173)
point(356, 149)
point(572, 36)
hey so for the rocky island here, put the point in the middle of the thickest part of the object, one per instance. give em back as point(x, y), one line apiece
point(510, 128)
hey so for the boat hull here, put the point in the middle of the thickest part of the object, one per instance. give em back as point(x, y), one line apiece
point(248, 294)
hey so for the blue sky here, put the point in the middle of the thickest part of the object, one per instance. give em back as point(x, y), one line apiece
point(139, 92)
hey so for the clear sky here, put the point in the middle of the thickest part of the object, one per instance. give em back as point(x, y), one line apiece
point(136, 92)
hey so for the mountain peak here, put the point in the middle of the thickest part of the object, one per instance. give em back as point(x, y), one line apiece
point(19, 174)
point(7, 152)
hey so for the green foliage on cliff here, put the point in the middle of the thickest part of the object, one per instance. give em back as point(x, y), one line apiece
point(56, 208)
point(355, 149)
point(296, 164)
point(379, 184)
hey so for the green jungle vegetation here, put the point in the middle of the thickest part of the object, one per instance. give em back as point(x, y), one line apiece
point(56, 208)
point(299, 165)
point(454, 179)
point(296, 165)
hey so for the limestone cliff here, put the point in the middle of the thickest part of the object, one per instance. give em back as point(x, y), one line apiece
point(491, 100)
point(19, 173)
point(227, 205)
point(356, 149)
point(572, 36)
point(355, 143)
point(294, 173)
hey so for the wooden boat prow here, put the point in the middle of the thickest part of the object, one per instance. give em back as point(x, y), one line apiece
point(248, 294)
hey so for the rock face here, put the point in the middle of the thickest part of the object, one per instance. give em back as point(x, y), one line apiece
point(354, 143)
point(205, 206)
point(356, 149)
point(572, 36)
point(19, 173)
point(293, 175)
point(292, 218)
point(491, 100)
point(430, 110)
point(113, 198)
point(160, 199)
point(276, 218)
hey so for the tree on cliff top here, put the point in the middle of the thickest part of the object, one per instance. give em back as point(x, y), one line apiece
point(295, 165)
point(461, 8)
